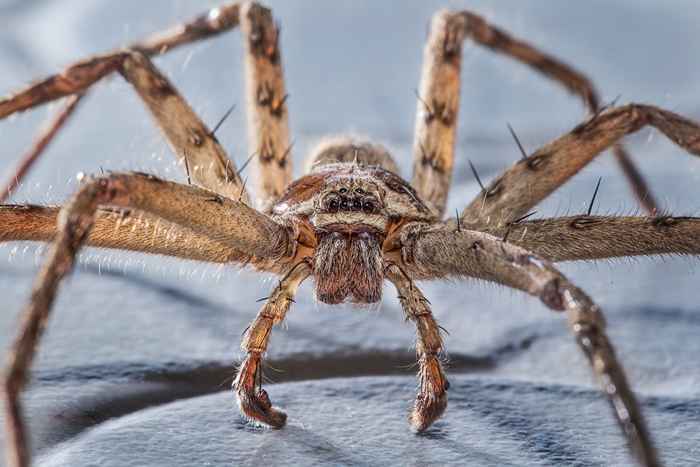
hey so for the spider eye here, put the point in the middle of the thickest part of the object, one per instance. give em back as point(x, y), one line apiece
point(357, 205)
point(344, 204)
point(333, 205)
point(368, 207)
point(343, 190)
point(359, 191)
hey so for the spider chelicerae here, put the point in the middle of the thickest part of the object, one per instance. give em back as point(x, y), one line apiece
point(351, 223)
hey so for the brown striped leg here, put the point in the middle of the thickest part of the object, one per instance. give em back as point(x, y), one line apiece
point(598, 237)
point(530, 180)
point(442, 251)
point(252, 398)
point(432, 393)
point(438, 104)
point(229, 222)
point(121, 229)
point(190, 139)
point(79, 76)
point(76, 78)
point(438, 107)
point(206, 213)
point(209, 24)
point(576, 82)
point(268, 127)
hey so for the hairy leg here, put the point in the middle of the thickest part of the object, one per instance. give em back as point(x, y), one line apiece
point(121, 229)
point(190, 139)
point(598, 237)
point(432, 394)
point(268, 125)
point(221, 219)
point(230, 222)
point(438, 252)
point(81, 75)
point(573, 80)
point(438, 105)
point(530, 180)
point(252, 398)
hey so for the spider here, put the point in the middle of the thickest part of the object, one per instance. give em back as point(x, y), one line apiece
point(351, 222)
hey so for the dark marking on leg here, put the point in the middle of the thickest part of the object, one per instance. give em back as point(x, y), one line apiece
point(495, 189)
point(537, 161)
point(551, 295)
point(583, 222)
point(216, 199)
point(196, 138)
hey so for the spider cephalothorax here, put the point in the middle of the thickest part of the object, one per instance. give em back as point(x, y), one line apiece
point(351, 222)
point(348, 207)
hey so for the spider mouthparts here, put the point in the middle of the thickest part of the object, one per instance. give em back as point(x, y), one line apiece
point(349, 267)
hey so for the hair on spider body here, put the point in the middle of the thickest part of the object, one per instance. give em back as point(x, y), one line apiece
point(350, 202)
point(351, 222)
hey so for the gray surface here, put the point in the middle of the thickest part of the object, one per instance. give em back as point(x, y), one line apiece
point(132, 332)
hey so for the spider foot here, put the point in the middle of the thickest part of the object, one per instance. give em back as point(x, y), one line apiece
point(427, 409)
point(257, 408)
point(253, 400)
point(431, 401)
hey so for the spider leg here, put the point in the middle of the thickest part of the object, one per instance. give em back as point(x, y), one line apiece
point(121, 229)
point(438, 100)
point(441, 251)
point(530, 180)
point(252, 398)
point(78, 77)
point(438, 107)
point(432, 394)
point(230, 222)
point(81, 75)
point(190, 139)
point(598, 237)
point(268, 127)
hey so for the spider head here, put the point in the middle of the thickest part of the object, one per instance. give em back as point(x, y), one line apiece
point(350, 223)
point(349, 209)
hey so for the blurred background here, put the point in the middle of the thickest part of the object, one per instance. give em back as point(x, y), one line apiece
point(139, 347)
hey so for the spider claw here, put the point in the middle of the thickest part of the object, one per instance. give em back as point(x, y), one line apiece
point(432, 397)
point(253, 401)
point(257, 408)
point(427, 409)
